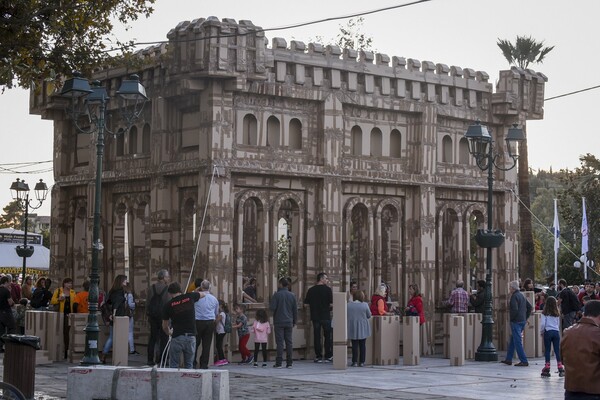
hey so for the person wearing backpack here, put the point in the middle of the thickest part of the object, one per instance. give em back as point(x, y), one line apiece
point(223, 328)
point(118, 305)
point(156, 299)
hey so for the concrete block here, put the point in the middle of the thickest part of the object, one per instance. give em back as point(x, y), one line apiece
point(411, 351)
point(530, 335)
point(96, 383)
point(54, 335)
point(386, 341)
point(457, 341)
point(446, 318)
point(120, 347)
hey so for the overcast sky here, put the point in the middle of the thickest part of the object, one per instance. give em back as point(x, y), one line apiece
point(452, 32)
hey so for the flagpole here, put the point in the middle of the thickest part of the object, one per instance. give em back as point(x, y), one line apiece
point(556, 230)
point(584, 239)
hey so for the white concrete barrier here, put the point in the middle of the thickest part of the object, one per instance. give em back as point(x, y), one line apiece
point(457, 341)
point(411, 352)
point(116, 383)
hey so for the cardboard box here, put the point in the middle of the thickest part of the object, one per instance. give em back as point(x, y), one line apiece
point(386, 340)
point(411, 347)
point(446, 318)
point(457, 341)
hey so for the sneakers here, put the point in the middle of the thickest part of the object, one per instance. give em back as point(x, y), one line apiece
point(134, 352)
point(288, 366)
point(318, 360)
point(255, 365)
point(361, 364)
point(277, 366)
point(330, 359)
point(561, 370)
point(354, 365)
point(250, 359)
point(264, 365)
point(220, 363)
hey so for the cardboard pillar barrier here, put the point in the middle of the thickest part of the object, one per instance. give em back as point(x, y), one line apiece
point(539, 344)
point(55, 338)
point(120, 346)
point(457, 341)
point(411, 346)
point(340, 331)
point(470, 346)
point(370, 344)
point(530, 335)
point(386, 341)
point(446, 318)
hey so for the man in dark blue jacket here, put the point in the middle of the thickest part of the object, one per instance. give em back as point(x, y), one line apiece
point(285, 314)
point(520, 310)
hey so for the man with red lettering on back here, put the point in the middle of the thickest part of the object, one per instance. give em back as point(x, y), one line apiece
point(180, 311)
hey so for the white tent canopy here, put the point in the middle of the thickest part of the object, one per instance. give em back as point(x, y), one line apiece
point(11, 262)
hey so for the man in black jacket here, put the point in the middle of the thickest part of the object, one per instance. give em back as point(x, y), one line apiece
point(568, 303)
point(285, 314)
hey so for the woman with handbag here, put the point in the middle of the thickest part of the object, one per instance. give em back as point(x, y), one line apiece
point(414, 307)
point(117, 300)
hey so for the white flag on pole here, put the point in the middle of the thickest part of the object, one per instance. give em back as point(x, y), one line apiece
point(584, 231)
point(556, 227)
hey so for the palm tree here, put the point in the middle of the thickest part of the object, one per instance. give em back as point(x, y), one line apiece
point(523, 52)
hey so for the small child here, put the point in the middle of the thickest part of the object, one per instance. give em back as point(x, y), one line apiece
point(241, 324)
point(549, 329)
point(262, 330)
point(221, 318)
point(20, 315)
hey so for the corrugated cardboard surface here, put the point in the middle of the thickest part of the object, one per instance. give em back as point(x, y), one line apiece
point(457, 341)
point(386, 340)
point(411, 352)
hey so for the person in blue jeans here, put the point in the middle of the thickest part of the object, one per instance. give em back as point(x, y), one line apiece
point(549, 329)
point(520, 310)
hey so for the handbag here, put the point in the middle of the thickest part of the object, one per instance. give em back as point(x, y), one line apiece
point(411, 311)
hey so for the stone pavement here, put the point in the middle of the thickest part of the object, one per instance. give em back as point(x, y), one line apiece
point(433, 379)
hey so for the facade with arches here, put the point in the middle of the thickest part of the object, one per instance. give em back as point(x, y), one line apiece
point(258, 161)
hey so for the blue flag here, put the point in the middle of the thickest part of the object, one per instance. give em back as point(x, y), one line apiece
point(584, 231)
point(556, 227)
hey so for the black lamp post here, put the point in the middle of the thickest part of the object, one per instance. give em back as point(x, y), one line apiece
point(481, 147)
point(91, 103)
point(20, 192)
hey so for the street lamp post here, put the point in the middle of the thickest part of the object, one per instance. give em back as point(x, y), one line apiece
point(93, 106)
point(20, 192)
point(481, 147)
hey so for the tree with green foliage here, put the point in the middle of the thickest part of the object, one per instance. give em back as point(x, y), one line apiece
point(523, 52)
point(283, 264)
point(12, 216)
point(584, 181)
point(350, 36)
point(45, 39)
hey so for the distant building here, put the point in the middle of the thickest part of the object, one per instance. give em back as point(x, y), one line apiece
point(38, 223)
point(361, 156)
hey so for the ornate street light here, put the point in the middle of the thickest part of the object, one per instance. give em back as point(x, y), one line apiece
point(20, 192)
point(91, 103)
point(481, 147)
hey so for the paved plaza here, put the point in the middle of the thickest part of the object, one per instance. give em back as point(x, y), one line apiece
point(434, 378)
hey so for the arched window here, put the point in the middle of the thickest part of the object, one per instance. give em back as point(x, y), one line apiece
point(395, 143)
point(120, 142)
point(249, 133)
point(133, 140)
point(295, 134)
point(447, 149)
point(273, 131)
point(376, 142)
point(463, 151)
point(146, 139)
point(356, 140)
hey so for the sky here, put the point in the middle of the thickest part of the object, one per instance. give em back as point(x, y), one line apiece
point(453, 32)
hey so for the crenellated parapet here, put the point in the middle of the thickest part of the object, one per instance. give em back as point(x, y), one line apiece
point(520, 91)
point(225, 48)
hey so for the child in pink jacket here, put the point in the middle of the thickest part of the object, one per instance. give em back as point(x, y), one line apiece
point(262, 330)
